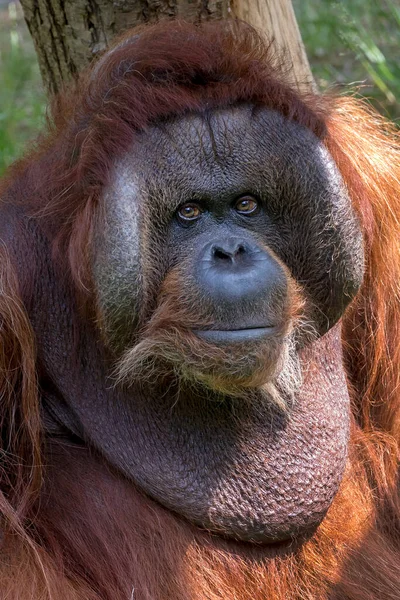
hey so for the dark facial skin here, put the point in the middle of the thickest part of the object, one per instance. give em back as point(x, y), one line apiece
point(258, 470)
point(303, 215)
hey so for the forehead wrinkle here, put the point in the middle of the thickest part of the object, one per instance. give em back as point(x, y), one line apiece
point(181, 154)
point(213, 141)
point(197, 138)
point(182, 138)
point(224, 129)
point(194, 145)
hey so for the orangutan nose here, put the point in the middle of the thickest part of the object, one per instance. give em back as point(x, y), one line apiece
point(237, 271)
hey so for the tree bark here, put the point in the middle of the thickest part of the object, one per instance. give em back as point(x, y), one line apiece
point(68, 34)
point(277, 20)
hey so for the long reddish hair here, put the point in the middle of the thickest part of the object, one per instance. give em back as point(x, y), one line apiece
point(157, 72)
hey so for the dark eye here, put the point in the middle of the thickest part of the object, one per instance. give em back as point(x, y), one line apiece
point(246, 205)
point(189, 212)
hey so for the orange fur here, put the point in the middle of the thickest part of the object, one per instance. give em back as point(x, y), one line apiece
point(116, 540)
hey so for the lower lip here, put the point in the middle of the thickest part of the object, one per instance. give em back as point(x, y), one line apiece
point(216, 336)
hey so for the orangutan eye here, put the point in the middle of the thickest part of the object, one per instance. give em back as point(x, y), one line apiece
point(189, 212)
point(246, 205)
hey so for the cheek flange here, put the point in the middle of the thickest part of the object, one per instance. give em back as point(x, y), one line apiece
point(117, 259)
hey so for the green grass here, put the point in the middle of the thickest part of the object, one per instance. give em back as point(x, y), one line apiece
point(353, 42)
point(22, 99)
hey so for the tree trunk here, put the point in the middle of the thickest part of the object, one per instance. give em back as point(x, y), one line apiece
point(277, 19)
point(69, 33)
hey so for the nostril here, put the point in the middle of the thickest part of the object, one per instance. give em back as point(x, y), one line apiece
point(222, 254)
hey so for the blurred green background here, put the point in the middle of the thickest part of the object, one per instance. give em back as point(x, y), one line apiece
point(349, 42)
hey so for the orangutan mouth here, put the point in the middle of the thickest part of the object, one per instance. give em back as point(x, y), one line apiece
point(219, 336)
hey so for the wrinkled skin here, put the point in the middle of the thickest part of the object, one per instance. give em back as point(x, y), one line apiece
point(246, 437)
